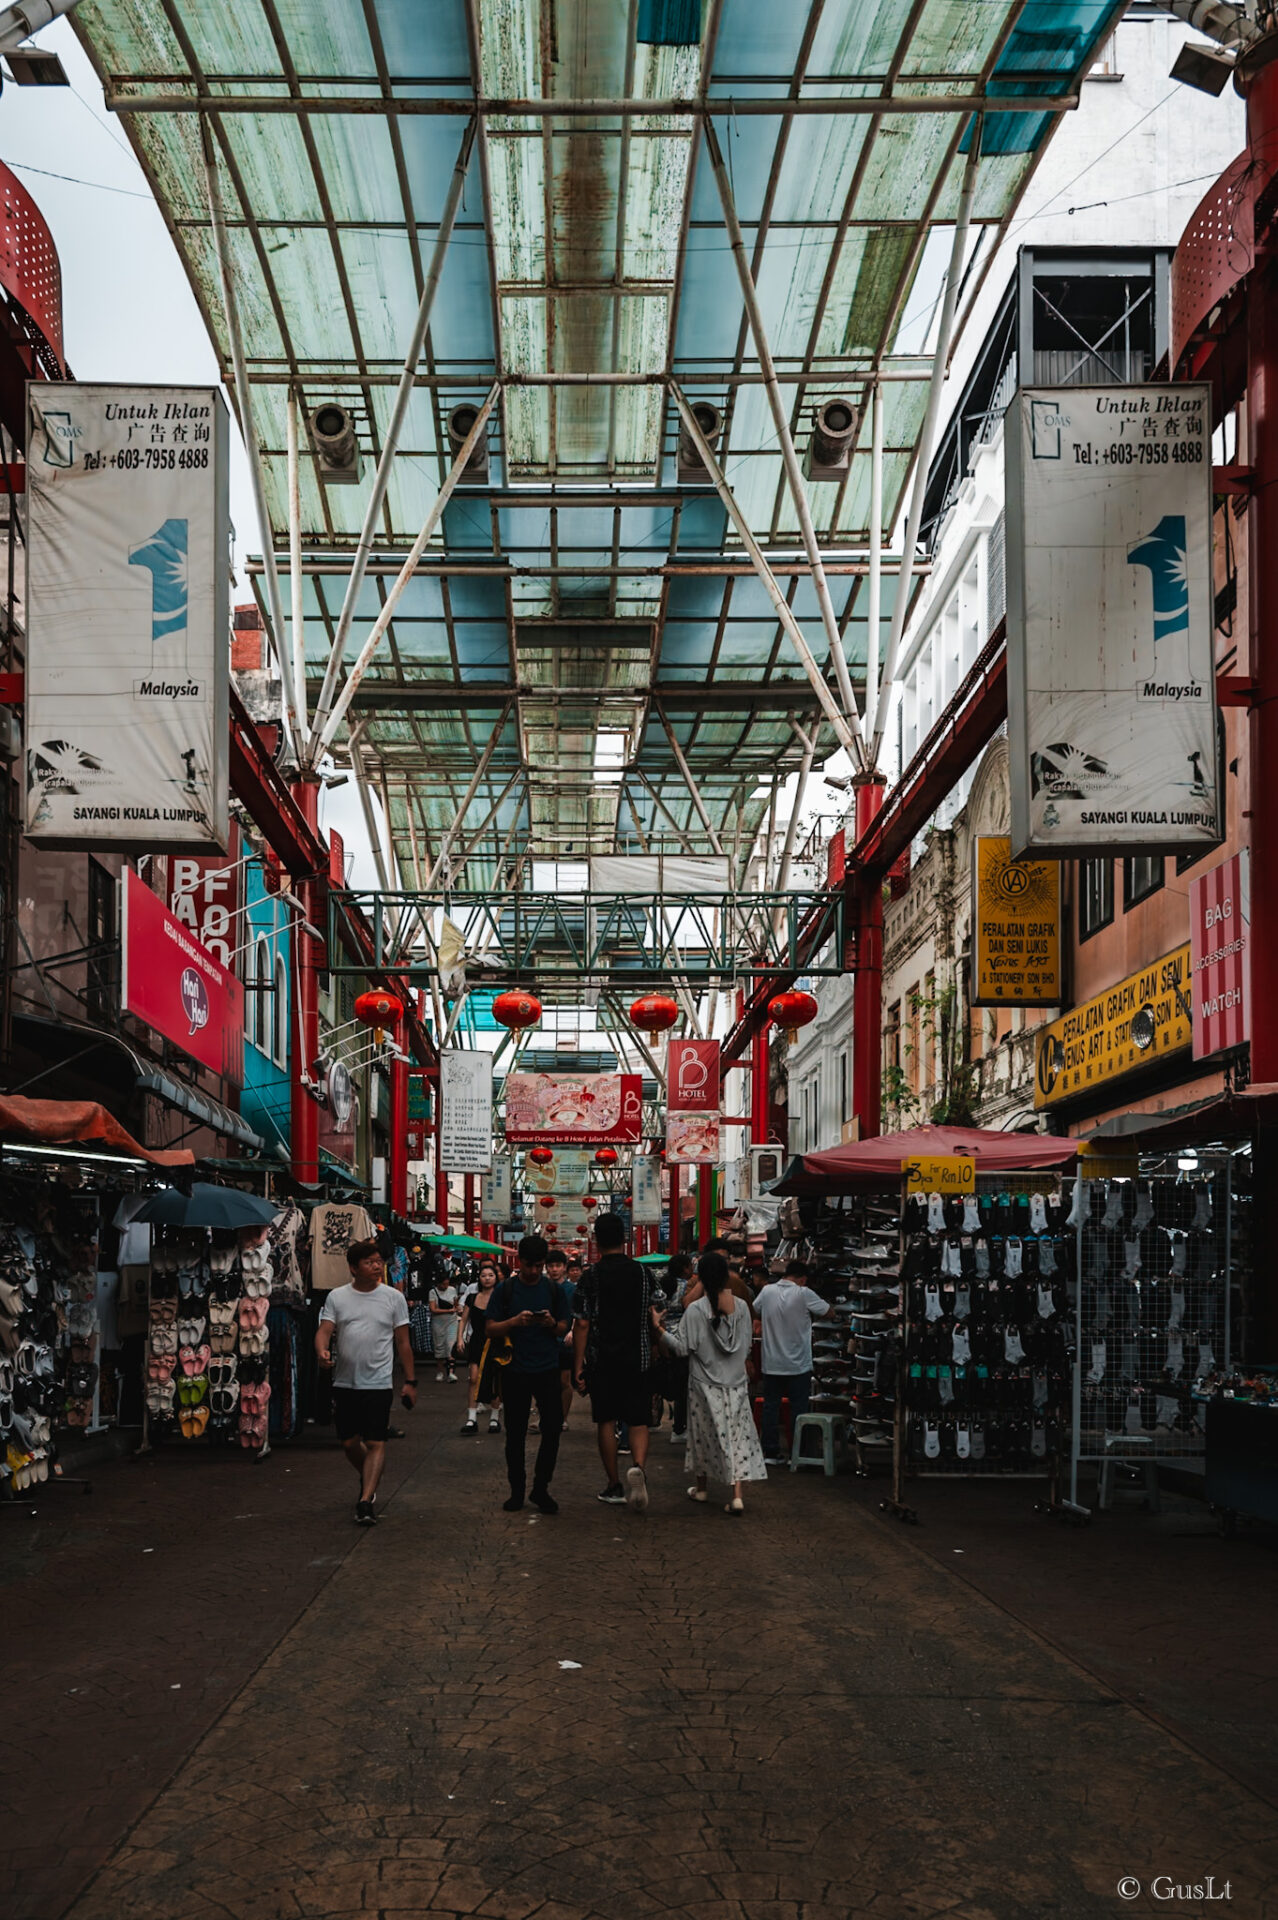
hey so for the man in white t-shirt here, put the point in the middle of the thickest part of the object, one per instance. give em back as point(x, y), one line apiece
point(367, 1322)
point(785, 1309)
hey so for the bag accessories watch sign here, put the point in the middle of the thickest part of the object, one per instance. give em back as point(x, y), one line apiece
point(1111, 674)
point(177, 987)
point(128, 586)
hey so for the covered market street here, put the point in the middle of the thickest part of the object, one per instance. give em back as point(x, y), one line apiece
point(232, 1702)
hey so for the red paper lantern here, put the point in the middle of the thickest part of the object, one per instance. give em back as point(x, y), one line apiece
point(654, 1012)
point(541, 1156)
point(606, 1157)
point(517, 1009)
point(792, 1009)
point(589, 1201)
point(547, 1200)
point(379, 1009)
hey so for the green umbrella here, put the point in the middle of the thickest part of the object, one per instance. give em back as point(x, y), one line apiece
point(655, 1259)
point(464, 1242)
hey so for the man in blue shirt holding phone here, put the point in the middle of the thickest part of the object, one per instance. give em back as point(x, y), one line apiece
point(532, 1312)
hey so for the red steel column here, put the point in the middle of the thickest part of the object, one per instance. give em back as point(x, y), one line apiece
point(760, 1074)
point(867, 974)
point(469, 1215)
point(1261, 91)
point(441, 1178)
point(304, 1014)
point(398, 1171)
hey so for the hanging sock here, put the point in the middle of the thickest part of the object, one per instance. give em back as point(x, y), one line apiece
point(981, 1251)
point(1047, 1256)
point(1040, 1389)
point(1131, 1261)
point(1078, 1205)
point(1180, 1253)
point(931, 1440)
point(1113, 1219)
point(1012, 1260)
point(1167, 1410)
point(962, 1346)
point(971, 1215)
point(1144, 1209)
point(1038, 1213)
point(945, 1383)
point(962, 1303)
point(1206, 1358)
point(1096, 1372)
point(932, 1302)
point(1175, 1355)
point(963, 1443)
point(978, 1442)
point(1038, 1440)
point(1176, 1318)
point(1046, 1303)
point(1132, 1422)
point(1013, 1351)
point(1202, 1207)
point(935, 1213)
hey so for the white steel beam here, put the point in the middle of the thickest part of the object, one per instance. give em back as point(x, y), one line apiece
point(328, 718)
point(394, 427)
point(244, 407)
point(927, 439)
point(874, 588)
point(481, 768)
point(689, 782)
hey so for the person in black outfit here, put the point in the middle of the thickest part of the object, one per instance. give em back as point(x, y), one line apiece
point(533, 1314)
point(613, 1354)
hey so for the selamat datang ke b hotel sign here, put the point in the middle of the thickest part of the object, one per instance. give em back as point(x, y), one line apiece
point(1110, 663)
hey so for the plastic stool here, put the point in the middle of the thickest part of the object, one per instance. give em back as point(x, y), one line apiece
point(833, 1429)
point(1128, 1450)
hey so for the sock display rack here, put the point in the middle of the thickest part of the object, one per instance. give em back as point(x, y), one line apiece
point(1155, 1311)
point(986, 1350)
point(856, 1247)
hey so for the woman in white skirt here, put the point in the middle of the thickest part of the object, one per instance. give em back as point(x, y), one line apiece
point(715, 1334)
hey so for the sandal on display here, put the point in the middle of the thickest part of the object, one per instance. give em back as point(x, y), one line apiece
point(192, 1393)
point(159, 1399)
point(160, 1366)
point(253, 1314)
point(254, 1341)
point(225, 1399)
point(191, 1332)
point(222, 1371)
point(253, 1432)
point(164, 1340)
point(163, 1313)
point(193, 1421)
point(194, 1360)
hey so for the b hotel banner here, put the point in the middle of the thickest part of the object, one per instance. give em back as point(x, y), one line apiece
point(128, 643)
point(1110, 680)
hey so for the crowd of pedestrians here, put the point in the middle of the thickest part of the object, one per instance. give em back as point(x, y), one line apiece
point(628, 1337)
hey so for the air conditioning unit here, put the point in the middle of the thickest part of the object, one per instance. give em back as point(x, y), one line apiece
point(766, 1165)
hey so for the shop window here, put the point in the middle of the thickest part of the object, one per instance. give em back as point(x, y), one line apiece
point(280, 1011)
point(1095, 896)
point(1142, 875)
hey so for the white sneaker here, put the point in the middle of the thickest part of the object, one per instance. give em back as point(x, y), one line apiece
point(636, 1490)
point(439, 1374)
point(678, 1438)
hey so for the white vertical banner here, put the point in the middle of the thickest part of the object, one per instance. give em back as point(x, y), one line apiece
point(466, 1111)
point(128, 617)
point(494, 1193)
point(1110, 667)
point(645, 1191)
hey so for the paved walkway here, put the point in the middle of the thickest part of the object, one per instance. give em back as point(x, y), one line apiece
point(797, 1716)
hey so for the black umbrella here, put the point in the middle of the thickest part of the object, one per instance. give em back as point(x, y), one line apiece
point(207, 1206)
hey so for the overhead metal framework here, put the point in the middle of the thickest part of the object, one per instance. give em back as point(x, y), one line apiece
point(654, 238)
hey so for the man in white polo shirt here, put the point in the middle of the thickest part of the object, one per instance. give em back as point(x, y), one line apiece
point(368, 1321)
point(785, 1309)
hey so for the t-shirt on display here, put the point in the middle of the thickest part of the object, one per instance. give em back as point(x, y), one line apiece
point(333, 1229)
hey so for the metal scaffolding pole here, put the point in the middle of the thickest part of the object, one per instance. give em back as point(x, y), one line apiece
point(789, 458)
point(689, 782)
point(785, 614)
point(244, 407)
point(874, 590)
point(927, 439)
point(481, 769)
point(321, 733)
point(295, 578)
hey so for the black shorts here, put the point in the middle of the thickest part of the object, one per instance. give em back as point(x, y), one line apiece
point(618, 1393)
point(362, 1413)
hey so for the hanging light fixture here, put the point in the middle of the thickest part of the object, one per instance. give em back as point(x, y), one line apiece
point(793, 1009)
point(588, 1200)
point(606, 1157)
point(547, 1200)
point(540, 1156)
point(379, 1010)
point(654, 1013)
point(517, 1009)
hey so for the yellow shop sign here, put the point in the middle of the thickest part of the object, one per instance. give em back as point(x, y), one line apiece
point(1130, 1025)
point(939, 1173)
point(1016, 927)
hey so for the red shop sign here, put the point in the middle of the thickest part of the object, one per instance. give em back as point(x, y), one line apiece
point(692, 1076)
point(205, 896)
point(175, 986)
point(1220, 972)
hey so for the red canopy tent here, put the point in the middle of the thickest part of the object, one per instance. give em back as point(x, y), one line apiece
point(75, 1121)
point(866, 1164)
